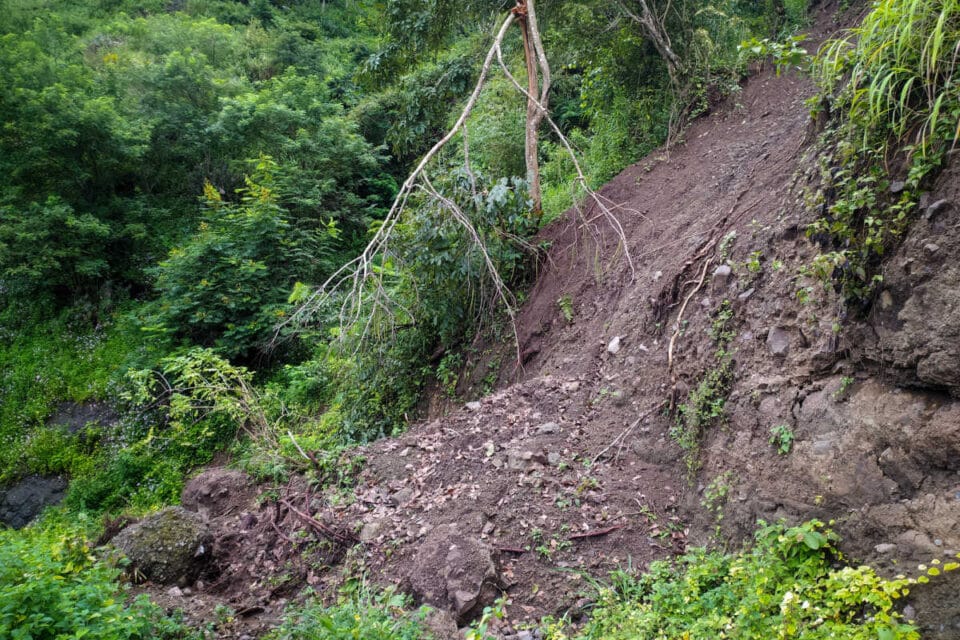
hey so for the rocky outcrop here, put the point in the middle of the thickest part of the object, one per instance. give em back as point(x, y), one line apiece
point(915, 323)
point(24, 501)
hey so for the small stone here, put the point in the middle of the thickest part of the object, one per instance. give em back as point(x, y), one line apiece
point(909, 613)
point(402, 497)
point(175, 592)
point(897, 186)
point(743, 297)
point(886, 300)
point(938, 542)
point(885, 547)
point(489, 448)
point(721, 277)
point(524, 635)
point(614, 346)
point(548, 427)
point(553, 458)
point(405, 452)
point(571, 387)
point(931, 248)
point(778, 341)
point(706, 303)
point(472, 406)
point(642, 347)
point(936, 208)
point(370, 531)
point(822, 447)
point(657, 276)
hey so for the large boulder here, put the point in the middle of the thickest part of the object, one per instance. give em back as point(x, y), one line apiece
point(172, 546)
point(456, 572)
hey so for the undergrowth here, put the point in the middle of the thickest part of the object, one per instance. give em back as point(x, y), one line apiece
point(792, 583)
point(892, 99)
point(52, 586)
point(362, 613)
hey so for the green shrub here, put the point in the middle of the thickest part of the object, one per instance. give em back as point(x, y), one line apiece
point(787, 585)
point(52, 587)
point(227, 286)
point(383, 616)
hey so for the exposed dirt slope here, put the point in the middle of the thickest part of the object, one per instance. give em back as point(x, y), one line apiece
point(571, 465)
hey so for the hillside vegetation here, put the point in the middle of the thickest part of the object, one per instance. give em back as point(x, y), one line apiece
point(211, 250)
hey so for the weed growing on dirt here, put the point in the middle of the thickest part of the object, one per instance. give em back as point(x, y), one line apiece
point(788, 585)
point(565, 304)
point(781, 437)
point(360, 613)
point(715, 497)
point(705, 404)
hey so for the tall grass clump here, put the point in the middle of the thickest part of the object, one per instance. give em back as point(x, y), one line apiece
point(890, 89)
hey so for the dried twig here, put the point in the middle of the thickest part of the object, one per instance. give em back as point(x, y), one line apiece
point(339, 538)
point(595, 533)
point(626, 432)
point(683, 307)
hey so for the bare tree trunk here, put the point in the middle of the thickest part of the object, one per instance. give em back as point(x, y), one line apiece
point(538, 84)
point(656, 32)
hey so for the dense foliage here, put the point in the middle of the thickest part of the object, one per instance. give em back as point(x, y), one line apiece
point(788, 585)
point(51, 586)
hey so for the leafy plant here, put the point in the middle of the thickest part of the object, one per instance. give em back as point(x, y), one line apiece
point(784, 54)
point(365, 614)
point(788, 585)
point(890, 86)
point(781, 437)
point(227, 286)
point(715, 497)
point(52, 586)
point(565, 304)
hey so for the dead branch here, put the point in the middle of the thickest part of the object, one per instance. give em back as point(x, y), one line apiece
point(626, 432)
point(363, 271)
point(318, 526)
point(595, 533)
point(610, 217)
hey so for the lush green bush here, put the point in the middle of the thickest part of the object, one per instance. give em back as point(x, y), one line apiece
point(226, 287)
point(383, 616)
point(52, 587)
point(788, 585)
